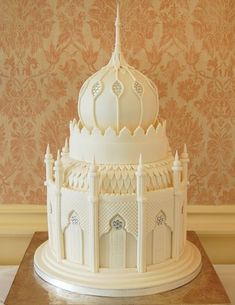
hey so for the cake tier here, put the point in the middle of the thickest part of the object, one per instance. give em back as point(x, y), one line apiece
point(158, 278)
point(118, 148)
point(117, 178)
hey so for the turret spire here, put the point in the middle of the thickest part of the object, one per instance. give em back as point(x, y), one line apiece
point(58, 155)
point(117, 48)
point(49, 164)
point(176, 156)
point(65, 149)
point(185, 161)
point(140, 160)
point(48, 150)
point(117, 58)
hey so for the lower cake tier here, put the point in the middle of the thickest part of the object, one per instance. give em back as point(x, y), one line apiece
point(117, 283)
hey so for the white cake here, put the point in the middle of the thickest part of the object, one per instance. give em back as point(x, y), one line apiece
point(116, 201)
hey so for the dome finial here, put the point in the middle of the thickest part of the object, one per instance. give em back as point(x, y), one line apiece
point(117, 48)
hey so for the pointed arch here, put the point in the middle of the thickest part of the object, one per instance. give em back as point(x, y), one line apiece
point(73, 239)
point(117, 246)
point(159, 240)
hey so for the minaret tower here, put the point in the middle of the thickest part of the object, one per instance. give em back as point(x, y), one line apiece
point(59, 246)
point(93, 216)
point(177, 168)
point(184, 161)
point(49, 165)
point(48, 160)
point(141, 200)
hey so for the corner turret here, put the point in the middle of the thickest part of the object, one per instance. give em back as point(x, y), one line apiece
point(184, 161)
point(48, 160)
point(177, 169)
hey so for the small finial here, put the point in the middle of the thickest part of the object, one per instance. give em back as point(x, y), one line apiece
point(140, 160)
point(48, 149)
point(184, 155)
point(177, 162)
point(65, 149)
point(66, 143)
point(58, 155)
point(117, 48)
point(176, 156)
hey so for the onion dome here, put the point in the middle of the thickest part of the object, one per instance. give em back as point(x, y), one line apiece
point(118, 95)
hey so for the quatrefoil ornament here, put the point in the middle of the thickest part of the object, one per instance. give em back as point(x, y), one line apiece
point(117, 224)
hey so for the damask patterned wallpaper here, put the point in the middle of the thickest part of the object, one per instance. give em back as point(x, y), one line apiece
point(49, 47)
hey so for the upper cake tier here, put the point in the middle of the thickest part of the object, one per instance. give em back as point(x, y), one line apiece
point(118, 95)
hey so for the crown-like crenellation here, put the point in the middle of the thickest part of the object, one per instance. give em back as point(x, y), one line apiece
point(121, 147)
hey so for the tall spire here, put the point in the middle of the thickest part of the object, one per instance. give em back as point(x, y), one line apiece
point(117, 48)
point(117, 60)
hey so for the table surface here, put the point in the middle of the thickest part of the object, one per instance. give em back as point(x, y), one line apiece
point(28, 288)
point(226, 274)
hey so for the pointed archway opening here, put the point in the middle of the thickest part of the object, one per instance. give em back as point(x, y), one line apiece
point(117, 246)
point(159, 241)
point(73, 239)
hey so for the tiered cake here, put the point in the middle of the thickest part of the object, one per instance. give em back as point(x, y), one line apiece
point(116, 200)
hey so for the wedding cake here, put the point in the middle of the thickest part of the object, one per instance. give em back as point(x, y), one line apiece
point(116, 197)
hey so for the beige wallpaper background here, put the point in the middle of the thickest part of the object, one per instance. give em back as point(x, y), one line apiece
point(49, 47)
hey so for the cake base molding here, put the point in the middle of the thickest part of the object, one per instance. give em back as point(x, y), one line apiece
point(28, 288)
point(109, 282)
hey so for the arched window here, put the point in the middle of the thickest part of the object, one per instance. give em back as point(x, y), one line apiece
point(73, 239)
point(117, 247)
point(159, 241)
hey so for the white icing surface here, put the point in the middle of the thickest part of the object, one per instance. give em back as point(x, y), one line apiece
point(118, 95)
point(117, 178)
point(121, 148)
point(116, 200)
